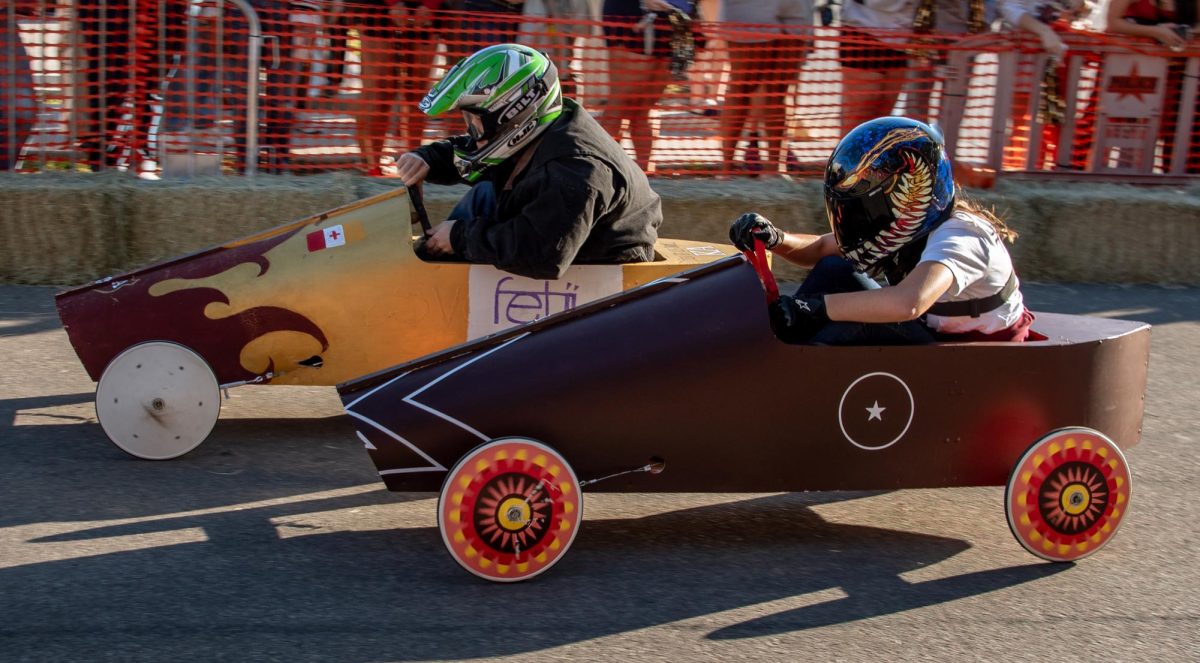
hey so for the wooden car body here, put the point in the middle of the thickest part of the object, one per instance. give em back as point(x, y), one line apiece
point(686, 371)
point(329, 298)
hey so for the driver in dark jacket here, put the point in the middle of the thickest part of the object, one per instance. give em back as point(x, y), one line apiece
point(549, 186)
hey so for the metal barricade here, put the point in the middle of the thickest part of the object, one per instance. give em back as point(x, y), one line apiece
point(108, 72)
point(206, 68)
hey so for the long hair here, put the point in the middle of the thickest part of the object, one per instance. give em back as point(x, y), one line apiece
point(966, 204)
point(896, 266)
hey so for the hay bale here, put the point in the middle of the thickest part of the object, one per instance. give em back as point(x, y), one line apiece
point(165, 219)
point(59, 229)
point(69, 228)
point(1114, 233)
point(704, 209)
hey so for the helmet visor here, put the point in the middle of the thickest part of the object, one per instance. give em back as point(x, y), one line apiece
point(475, 125)
point(856, 219)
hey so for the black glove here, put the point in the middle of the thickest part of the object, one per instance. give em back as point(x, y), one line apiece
point(797, 319)
point(751, 226)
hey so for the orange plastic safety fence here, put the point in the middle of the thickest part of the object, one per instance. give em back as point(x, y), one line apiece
point(162, 86)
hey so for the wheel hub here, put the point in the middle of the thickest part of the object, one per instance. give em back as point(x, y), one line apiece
point(1075, 499)
point(157, 400)
point(514, 514)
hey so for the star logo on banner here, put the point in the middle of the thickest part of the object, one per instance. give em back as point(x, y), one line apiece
point(876, 412)
point(1133, 84)
point(876, 394)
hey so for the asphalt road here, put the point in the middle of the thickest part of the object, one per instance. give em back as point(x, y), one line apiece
point(275, 541)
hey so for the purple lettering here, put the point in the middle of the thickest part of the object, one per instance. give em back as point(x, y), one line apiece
point(518, 306)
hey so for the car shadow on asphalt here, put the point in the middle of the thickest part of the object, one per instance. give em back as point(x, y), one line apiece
point(9, 407)
point(256, 586)
point(58, 469)
point(27, 310)
point(889, 598)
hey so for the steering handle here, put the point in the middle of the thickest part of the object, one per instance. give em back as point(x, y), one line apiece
point(417, 196)
point(758, 260)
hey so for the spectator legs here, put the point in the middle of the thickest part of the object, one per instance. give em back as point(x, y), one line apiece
point(380, 82)
point(785, 58)
point(106, 79)
point(736, 108)
point(418, 65)
point(868, 94)
point(640, 79)
point(18, 103)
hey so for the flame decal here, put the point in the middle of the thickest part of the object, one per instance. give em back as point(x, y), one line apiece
point(909, 199)
point(183, 301)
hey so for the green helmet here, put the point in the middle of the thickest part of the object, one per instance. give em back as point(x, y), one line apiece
point(508, 94)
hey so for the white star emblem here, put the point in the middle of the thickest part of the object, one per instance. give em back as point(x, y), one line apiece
point(876, 412)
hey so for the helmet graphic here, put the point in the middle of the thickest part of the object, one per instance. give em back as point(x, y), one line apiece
point(887, 184)
point(508, 95)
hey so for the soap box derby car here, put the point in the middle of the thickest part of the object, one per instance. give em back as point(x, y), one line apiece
point(680, 385)
point(314, 302)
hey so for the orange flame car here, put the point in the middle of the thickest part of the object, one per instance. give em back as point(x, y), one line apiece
point(314, 302)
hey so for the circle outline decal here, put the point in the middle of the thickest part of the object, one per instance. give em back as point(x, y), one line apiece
point(912, 410)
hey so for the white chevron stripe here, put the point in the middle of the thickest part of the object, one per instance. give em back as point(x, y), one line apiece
point(434, 466)
point(411, 400)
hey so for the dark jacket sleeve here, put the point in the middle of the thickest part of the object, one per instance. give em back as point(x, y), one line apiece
point(543, 239)
point(440, 157)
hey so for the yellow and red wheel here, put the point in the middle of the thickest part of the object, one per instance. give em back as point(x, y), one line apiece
point(1068, 494)
point(509, 509)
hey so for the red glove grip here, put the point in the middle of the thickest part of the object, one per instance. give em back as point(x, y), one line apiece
point(758, 260)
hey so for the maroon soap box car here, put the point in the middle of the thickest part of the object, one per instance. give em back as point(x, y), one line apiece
point(680, 385)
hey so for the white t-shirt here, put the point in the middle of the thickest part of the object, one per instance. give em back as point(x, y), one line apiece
point(975, 255)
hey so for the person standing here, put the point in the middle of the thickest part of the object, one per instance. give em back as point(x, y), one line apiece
point(639, 68)
point(766, 62)
point(876, 65)
point(18, 100)
point(398, 43)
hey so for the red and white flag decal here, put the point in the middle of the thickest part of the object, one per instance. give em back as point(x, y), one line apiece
point(327, 238)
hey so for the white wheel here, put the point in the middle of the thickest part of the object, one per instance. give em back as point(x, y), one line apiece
point(157, 400)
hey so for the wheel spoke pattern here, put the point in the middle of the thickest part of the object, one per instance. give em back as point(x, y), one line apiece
point(509, 509)
point(1068, 494)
